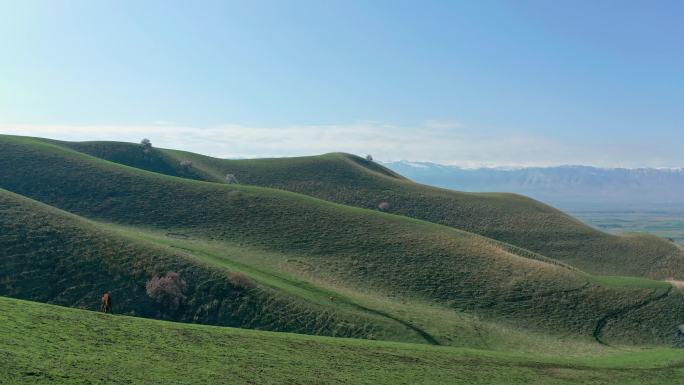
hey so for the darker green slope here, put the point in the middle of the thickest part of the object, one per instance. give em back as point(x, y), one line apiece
point(354, 181)
point(51, 256)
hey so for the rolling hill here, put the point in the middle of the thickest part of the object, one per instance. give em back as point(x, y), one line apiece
point(45, 344)
point(341, 248)
point(52, 256)
point(56, 257)
point(350, 180)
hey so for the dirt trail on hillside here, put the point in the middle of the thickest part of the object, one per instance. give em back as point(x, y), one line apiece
point(619, 312)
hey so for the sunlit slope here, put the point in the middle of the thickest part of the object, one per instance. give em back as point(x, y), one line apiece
point(44, 344)
point(52, 256)
point(376, 251)
point(351, 180)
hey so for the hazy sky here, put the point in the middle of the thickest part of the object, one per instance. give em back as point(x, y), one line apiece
point(462, 82)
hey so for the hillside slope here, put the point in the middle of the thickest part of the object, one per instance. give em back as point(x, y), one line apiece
point(52, 256)
point(44, 344)
point(367, 249)
point(351, 180)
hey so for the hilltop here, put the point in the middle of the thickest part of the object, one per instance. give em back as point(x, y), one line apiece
point(354, 181)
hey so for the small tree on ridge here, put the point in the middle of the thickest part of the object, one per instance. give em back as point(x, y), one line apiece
point(146, 145)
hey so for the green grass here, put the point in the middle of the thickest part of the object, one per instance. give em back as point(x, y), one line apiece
point(392, 255)
point(52, 256)
point(290, 274)
point(73, 225)
point(44, 344)
point(56, 257)
point(351, 180)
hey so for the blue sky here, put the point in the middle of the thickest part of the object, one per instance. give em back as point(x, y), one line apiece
point(459, 82)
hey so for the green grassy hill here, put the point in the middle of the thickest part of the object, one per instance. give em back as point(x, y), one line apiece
point(52, 256)
point(45, 344)
point(354, 181)
point(393, 257)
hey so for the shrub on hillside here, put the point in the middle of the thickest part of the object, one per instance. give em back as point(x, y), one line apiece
point(369, 157)
point(679, 337)
point(168, 291)
point(231, 179)
point(240, 280)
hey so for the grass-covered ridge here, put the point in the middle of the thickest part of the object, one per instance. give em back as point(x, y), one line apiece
point(51, 256)
point(56, 257)
point(389, 254)
point(351, 180)
point(432, 323)
point(44, 344)
point(273, 219)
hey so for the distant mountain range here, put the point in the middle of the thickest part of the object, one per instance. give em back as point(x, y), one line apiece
point(568, 187)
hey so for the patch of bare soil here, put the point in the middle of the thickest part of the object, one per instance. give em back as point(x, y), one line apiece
point(675, 283)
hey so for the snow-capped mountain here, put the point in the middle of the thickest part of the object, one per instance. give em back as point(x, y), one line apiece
point(563, 186)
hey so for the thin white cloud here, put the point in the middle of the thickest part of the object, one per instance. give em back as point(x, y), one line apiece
point(442, 142)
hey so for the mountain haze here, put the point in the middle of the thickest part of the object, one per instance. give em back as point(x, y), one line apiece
point(572, 187)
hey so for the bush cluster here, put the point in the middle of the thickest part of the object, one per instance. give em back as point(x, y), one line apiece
point(168, 290)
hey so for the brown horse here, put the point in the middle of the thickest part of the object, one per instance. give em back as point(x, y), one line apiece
point(106, 304)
